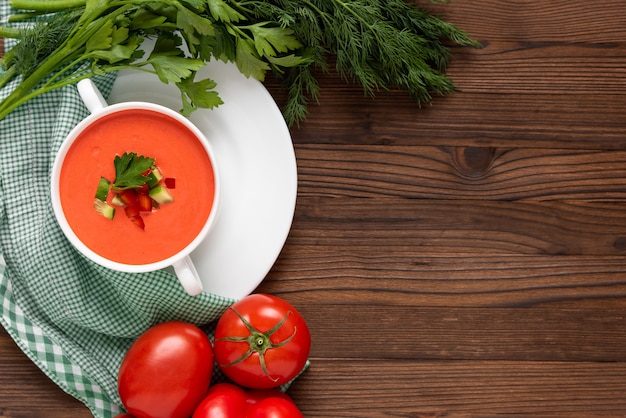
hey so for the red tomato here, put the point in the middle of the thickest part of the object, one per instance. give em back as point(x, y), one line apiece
point(257, 395)
point(226, 400)
point(261, 341)
point(166, 372)
point(274, 408)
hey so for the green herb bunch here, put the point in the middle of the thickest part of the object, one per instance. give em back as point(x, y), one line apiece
point(107, 35)
point(379, 44)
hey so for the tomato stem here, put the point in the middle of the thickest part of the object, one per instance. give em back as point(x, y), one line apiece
point(258, 342)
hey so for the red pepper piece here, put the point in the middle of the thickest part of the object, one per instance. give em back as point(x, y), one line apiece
point(129, 197)
point(143, 189)
point(137, 220)
point(131, 210)
point(170, 182)
point(144, 202)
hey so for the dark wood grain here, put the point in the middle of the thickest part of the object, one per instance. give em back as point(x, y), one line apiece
point(472, 173)
point(465, 259)
point(405, 388)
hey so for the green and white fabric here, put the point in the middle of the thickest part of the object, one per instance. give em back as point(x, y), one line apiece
point(73, 318)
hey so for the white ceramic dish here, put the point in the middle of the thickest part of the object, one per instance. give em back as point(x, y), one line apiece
point(258, 173)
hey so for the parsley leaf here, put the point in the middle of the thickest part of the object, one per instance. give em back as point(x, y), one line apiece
point(222, 11)
point(248, 61)
point(129, 169)
point(174, 69)
point(198, 94)
point(188, 21)
point(269, 40)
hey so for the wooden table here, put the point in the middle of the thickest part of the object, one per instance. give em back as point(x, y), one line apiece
point(464, 259)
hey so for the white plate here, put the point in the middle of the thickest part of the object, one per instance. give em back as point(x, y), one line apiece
point(258, 172)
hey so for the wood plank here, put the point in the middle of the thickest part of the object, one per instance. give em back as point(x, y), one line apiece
point(382, 275)
point(472, 173)
point(540, 67)
point(369, 329)
point(453, 253)
point(431, 227)
point(501, 119)
point(600, 21)
point(515, 67)
point(460, 388)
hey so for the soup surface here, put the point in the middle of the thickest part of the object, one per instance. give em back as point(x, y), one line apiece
point(177, 152)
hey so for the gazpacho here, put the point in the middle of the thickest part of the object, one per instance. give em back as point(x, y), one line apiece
point(158, 146)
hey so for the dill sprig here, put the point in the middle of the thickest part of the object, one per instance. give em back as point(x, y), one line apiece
point(379, 44)
point(41, 40)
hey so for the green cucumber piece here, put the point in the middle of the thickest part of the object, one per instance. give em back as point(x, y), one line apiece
point(154, 176)
point(103, 189)
point(160, 194)
point(117, 200)
point(104, 209)
point(151, 179)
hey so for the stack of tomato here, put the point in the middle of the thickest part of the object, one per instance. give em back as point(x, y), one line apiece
point(260, 343)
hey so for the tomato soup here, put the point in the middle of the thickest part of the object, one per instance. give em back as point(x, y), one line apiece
point(178, 153)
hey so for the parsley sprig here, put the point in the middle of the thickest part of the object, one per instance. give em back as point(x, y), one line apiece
point(129, 170)
point(379, 44)
point(106, 35)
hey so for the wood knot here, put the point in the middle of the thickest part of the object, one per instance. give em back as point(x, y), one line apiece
point(473, 162)
point(620, 244)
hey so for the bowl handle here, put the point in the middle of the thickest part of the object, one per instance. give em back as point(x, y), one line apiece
point(188, 276)
point(91, 96)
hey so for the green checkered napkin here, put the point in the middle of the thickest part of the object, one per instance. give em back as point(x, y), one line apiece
point(73, 318)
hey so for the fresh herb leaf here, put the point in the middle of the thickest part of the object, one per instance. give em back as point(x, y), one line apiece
point(198, 94)
point(220, 10)
point(172, 69)
point(130, 169)
point(271, 40)
point(146, 20)
point(278, 63)
point(39, 41)
point(221, 45)
point(249, 62)
point(167, 44)
point(192, 25)
point(117, 53)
